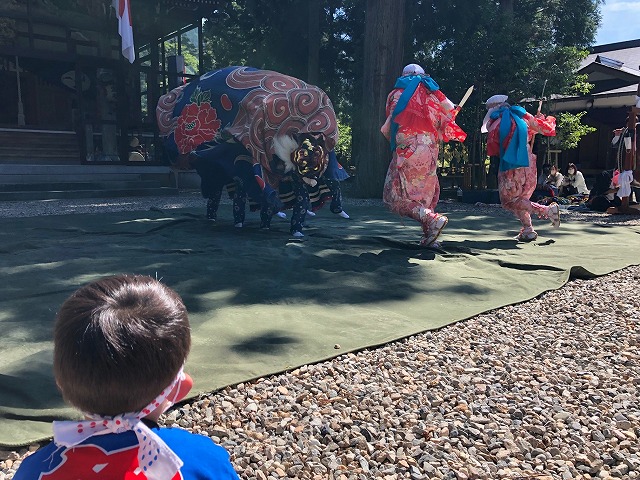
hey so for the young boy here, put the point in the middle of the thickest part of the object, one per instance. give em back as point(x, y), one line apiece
point(119, 347)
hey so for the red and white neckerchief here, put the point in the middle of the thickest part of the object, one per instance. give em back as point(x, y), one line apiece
point(155, 458)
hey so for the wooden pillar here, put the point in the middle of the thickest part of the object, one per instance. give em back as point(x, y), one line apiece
point(84, 129)
point(200, 49)
point(153, 92)
point(630, 161)
point(153, 86)
point(121, 70)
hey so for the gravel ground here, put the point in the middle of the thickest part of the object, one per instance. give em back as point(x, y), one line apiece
point(547, 389)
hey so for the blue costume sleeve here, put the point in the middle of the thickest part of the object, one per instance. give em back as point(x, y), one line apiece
point(334, 170)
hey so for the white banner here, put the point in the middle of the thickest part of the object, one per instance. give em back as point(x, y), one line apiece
point(123, 11)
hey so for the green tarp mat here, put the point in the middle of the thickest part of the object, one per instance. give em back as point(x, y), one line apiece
point(262, 302)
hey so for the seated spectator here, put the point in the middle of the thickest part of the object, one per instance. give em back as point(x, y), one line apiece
point(573, 182)
point(603, 194)
point(546, 170)
point(541, 190)
point(553, 180)
point(137, 152)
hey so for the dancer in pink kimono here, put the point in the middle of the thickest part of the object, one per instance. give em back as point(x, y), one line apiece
point(511, 130)
point(419, 116)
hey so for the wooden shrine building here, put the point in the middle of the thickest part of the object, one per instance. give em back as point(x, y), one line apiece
point(69, 96)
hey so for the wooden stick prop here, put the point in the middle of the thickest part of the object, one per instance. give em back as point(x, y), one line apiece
point(466, 96)
point(542, 97)
point(533, 138)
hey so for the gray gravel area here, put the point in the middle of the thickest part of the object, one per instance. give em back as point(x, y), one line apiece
point(193, 199)
point(546, 389)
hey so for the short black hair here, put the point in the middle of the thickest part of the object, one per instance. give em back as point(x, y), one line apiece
point(118, 342)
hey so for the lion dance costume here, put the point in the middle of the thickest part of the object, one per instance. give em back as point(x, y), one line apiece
point(268, 136)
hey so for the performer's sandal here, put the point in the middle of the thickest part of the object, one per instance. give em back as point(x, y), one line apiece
point(554, 214)
point(429, 240)
point(527, 236)
point(343, 214)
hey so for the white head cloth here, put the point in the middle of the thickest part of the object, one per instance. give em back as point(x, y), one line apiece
point(155, 458)
point(496, 101)
point(412, 69)
point(493, 103)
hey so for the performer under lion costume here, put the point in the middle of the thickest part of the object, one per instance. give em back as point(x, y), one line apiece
point(285, 128)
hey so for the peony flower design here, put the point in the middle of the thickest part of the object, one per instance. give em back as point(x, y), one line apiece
point(198, 123)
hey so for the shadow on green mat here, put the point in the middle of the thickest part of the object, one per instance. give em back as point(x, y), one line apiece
point(262, 302)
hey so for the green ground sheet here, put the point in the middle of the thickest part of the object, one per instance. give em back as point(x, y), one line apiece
point(263, 302)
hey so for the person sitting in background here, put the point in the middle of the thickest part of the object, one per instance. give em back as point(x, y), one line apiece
point(603, 194)
point(541, 190)
point(546, 170)
point(137, 152)
point(573, 182)
point(553, 180)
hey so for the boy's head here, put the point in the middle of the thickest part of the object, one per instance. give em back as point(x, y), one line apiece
point(118, 342)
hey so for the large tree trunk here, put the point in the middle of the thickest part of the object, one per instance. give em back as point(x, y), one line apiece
point(507, 7)
point(313, 66)
point(383, 50)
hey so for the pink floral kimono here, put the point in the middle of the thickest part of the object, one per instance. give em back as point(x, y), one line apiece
point(516, 185)
point(411, 187)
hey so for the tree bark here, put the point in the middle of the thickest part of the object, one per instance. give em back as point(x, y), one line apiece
point(313, 65)
point(383, 51)
point(507, 7)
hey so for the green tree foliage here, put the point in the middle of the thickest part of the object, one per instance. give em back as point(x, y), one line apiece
point(502, 50)
point(274, 36)
point(189, 50)
point(570, 130)
point(500, 46)
point(261, 34)
point(7, 31)
point(343, 148)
